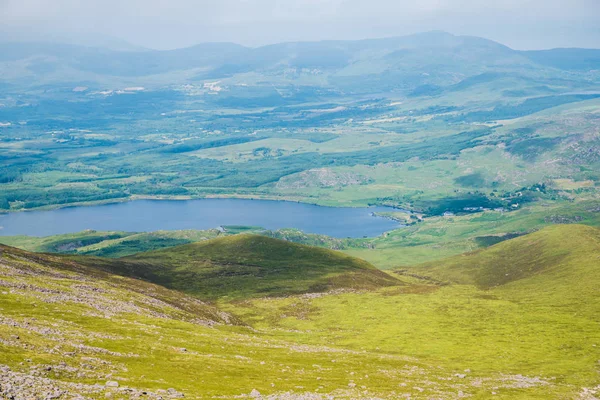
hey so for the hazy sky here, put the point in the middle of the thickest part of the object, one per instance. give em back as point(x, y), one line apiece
point(163, 24)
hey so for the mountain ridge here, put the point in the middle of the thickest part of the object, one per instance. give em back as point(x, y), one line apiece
point(367, 41)
point(224, 59)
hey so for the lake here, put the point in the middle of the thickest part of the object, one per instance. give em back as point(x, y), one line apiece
point(153, 215)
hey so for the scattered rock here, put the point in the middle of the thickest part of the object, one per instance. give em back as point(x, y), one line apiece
point(563, 219)
point(321, 177)
point(33, 385)
point(172, 393)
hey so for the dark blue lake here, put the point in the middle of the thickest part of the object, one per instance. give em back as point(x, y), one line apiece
point(152, 215)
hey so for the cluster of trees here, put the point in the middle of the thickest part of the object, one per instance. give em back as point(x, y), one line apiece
point(31, 198)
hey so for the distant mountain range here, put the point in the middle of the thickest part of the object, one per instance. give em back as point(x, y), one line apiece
point(425, 58)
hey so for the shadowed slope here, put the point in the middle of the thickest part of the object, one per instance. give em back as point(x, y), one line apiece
point(59, 279)
point(248, 266)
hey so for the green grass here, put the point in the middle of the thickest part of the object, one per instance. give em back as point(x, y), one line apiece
point(121, 244)
point(558, 266)
point(247, 265)
point(533, 335)
point(147, 241)
point(525, 306)
point(224, 360)
point(437, 238)
point(67, 243)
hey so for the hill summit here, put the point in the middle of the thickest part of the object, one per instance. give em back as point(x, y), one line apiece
point(247, 265)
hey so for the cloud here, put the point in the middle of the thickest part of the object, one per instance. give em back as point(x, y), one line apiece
point(177, 23)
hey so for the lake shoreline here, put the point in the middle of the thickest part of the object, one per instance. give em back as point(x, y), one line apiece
point(154, 214)
point(301, 200)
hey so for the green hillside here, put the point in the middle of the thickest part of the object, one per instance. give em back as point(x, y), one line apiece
point(67, 243)
point(121, 244)
point(466, 313)
point(55, 279)
point(67, 324)
point(556, 266)
point(247, 265)
point(438, 238)
point(563, 252)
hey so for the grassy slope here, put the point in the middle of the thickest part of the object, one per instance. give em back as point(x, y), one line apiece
point(248, 266)
point(421, 339)
point(541, 252)
point(122, 244)
point(145, 241)
point(558, 265)
point(542, 321)
point(107, 244)
point(438, 238)
point(65, 274)
point(62, 321)
point(62, 243)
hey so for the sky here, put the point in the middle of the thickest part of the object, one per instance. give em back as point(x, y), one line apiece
point(168, 24)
